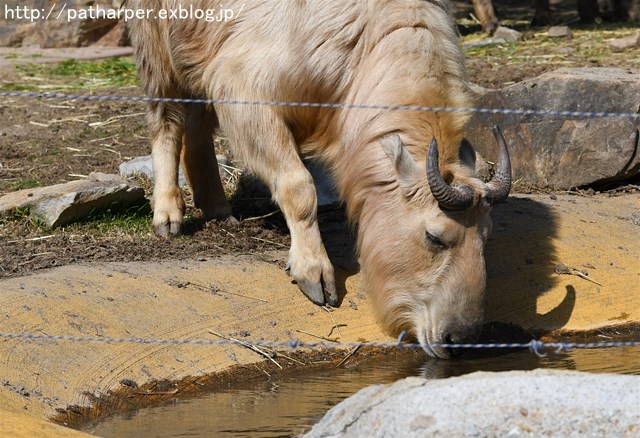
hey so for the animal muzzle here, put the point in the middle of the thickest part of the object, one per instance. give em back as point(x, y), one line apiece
point(453, 343)
point(450, 344)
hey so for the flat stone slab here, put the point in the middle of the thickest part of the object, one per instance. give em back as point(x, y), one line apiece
point(325, 190)
point(62, 204)
point(621, 44)
point(144, 166)
point(252, 295)
point(510, 35)
point(559, 31)
point(516, 403)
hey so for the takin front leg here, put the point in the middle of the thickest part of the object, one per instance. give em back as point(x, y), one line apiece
point(166, 123)
point(201, 165)
point(270, 151)
point(294, 191)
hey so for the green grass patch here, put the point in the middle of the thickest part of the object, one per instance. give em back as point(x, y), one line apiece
point(135, 220)
point(120, 71)
point(130, 221)
point(24, 215)
point(112, 72)
point(18, 87)
point(25, 184)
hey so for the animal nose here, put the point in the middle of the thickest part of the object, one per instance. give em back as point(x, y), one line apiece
point(453, 352)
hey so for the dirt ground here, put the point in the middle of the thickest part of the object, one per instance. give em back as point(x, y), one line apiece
point(50, 141)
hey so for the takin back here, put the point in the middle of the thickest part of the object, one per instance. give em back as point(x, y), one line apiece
point(422, 215)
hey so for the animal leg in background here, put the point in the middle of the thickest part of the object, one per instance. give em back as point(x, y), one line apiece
point(486, 15)
point(166, 127)
point(271, 153)
point(200, 163)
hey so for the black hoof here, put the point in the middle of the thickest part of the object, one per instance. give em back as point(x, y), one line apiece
point(168, 230)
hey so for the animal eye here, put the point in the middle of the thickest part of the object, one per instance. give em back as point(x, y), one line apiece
point(434, 241)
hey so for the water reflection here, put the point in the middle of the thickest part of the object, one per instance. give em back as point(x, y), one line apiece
point(290, 405)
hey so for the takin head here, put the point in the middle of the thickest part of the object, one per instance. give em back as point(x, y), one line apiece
point(422, 254)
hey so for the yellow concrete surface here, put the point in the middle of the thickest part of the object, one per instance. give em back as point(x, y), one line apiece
point(252, 296)
point(597, 235)
point(148, 300)
point(22, 424)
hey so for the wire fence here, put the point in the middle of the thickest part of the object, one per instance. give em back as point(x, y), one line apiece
point(535, 346)
point(505, 111)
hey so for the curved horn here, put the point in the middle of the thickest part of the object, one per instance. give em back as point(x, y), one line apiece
point(498, 188)
point(450, 198)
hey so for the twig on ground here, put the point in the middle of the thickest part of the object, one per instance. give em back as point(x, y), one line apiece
point(264, 216)
point(277, 353)
point(114, 119)
point(563, 269)
point(247, 345)
point(102, 139)
point(330, 310)
point(268, 241)
point(42, 125)
point(336, 326)
point(33, 239)
point(324, 338)
point(230, 234)
point(173, 391)
point(348, 356)
point(217, 291)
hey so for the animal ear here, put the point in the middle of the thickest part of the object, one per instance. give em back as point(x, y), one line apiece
point(467, 154)
point(406, 167)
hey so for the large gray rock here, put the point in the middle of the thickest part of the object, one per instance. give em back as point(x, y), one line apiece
point(62, 204)
point(325, 188)
point(629, 42)
point(563, 152)
point(508, 34)
point(25, 23)
point(516, 403)
point(144, 166)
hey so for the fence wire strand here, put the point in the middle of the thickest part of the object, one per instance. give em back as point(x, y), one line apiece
point(535, 346)
point(504, 111)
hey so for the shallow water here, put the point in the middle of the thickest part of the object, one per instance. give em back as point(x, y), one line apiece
point(290, 405)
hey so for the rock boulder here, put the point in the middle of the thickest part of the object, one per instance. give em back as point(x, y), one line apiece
point(516, 403)
point(25, 23)
point(562, 152)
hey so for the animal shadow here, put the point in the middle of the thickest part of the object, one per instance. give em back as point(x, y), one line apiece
point(520, 261)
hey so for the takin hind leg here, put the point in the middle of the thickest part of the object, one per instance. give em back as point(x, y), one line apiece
point(270, 151)
point(166, 125)
point(201, 165)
